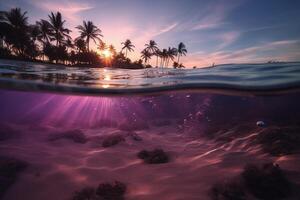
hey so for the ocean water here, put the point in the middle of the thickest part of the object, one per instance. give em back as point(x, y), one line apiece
point(227, 132)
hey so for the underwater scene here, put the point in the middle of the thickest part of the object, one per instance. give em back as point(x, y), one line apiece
point(171, 143)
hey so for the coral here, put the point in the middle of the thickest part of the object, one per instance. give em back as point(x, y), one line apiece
point(156, 156)
point(105, 191)
point(76, 136)
point(112, 140)
point(9, 170)
point(280, 141)
point(266, 182)
point(109, 191)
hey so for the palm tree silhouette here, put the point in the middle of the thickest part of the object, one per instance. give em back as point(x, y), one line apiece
point(34, 32)
point(181, 51)
point(2, 29)
point(57, 27)
point(102, 46)
point(146, 55)
point(151, 47)
point(89, 31)
point(163, 56)
point(15, 25)
point(158, 54)
point(128, 46)
point(69, 44)
point(15, 18)
point(80, 45)
point(112, 50)
point(45, 31)
point(171, 53)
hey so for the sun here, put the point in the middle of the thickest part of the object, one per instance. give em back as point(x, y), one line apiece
point(106, 53)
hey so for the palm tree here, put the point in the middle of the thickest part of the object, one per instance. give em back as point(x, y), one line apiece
point(80, 45)
point(34, 32)
point(2, 29)
point(102, 46)
point(157, 53)
point(181, 50)
point(15, 18)
point(57, 28)
point(171, 53)
point(69, 44)
point(89, 31)
point(14, 25)
point(163, 56)
point(146, 55)
point(151, 47)
point(128, 46)
point(44, 31)
point(112, 50)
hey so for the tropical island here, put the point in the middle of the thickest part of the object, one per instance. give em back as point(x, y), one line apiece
point(49, 41)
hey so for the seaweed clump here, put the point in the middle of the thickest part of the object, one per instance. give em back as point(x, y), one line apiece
point(135, 136)
point(109, 191)
point(266, 182)
point(112, 140)
point(76, 136)
point(9, 170)
point(105, 191)
point(263, 182)
point(157, 156)
point(280, 141)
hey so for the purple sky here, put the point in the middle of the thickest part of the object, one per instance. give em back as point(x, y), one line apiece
point(219, 31)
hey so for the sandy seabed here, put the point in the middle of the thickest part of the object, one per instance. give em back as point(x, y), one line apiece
point(60, 167)
point(205, 145)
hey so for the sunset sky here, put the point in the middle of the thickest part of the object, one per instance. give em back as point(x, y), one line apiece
point(214, 31)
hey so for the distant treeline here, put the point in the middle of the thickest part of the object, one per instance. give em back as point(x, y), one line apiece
point(50, 41)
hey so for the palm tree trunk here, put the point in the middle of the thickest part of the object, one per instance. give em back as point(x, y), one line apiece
point(88, 43)
point(178, 59)
point(126, 53)
point(160, 62)
point(56, 40)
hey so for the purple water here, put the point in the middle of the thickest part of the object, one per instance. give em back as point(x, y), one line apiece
point(209, 139)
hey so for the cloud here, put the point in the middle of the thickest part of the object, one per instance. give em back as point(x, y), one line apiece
point(69, 9)
point(165, 29)
point(213, 16)
point(154, 31)
point(227, 39)
point(203, 26)
point(283, 50)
